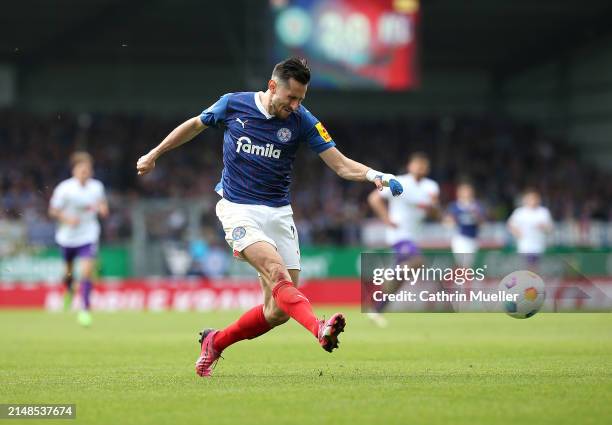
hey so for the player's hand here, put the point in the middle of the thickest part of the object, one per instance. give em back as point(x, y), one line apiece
point(390, 223)
point(71, 221)
point(389, 180)
point(543, 227)
point(396, 187)
point(145, 164)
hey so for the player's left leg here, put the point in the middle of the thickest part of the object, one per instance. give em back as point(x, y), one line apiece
point(256, 321)
point(407, 254)
point(274, 314)
point(532, 261)
point(253, 323)
point(87, 255)
point(68, 254)
point(464, 250)
point(268, 262)
point(68, 283)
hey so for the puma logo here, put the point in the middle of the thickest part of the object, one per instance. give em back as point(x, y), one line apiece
point(242, 123)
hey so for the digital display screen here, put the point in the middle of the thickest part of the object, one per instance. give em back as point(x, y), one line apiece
point(350, 43)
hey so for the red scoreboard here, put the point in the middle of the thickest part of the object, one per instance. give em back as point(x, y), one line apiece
point(351, 43)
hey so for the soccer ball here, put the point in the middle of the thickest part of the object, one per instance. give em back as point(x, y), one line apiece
point(529, 290)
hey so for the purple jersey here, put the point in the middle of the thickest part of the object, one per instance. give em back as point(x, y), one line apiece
point(259, 149)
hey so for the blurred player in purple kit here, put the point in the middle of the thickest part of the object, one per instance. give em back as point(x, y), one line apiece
point(76, 204)
point(262, 132)
point(404, 217)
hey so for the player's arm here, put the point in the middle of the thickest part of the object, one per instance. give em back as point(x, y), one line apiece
point(102, 203)
point(433, 209)
point(103, 210)
point(513, 228)
point(449, 219)
point(515, 231)
point(57, 205)
point(481, 214)
point(180, 135)
point(356, 171)
point(60, 216)
point(548, 225)
point(379, 206)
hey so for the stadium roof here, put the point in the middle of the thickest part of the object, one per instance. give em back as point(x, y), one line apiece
point(483, 34)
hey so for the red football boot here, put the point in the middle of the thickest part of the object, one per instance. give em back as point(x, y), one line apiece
point(329, 331)
point(208, 355)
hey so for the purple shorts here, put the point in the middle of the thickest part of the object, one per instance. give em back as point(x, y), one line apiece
point(89, 250)
point(405, 250)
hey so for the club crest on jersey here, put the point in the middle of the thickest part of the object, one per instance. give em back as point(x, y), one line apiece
point(284, 134)
point(244, 144)
point(238, 233)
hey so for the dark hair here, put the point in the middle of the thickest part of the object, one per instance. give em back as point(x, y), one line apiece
point(296, 68)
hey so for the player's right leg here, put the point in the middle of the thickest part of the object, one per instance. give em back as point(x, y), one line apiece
point(274, 315)
point(68, 254)
point(252, 324)
point(243, 226)
point(68, 281)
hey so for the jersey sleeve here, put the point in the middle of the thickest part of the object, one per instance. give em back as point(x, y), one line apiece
point(216, 113)
point(512, 220)
point(434, 189)
point(101, 192)
point(58, 199)
point(314, 134)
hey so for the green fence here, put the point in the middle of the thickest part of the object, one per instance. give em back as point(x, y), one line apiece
point(46, 264)
point(322, 262)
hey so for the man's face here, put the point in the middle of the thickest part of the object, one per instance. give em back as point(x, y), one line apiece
point(465, 192)
point(418, 167)
point(531, 200)
point(286, 97)
point(82, 171)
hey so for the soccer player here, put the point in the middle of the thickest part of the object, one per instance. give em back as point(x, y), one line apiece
point(465, 215)
point(263, 131)
point(76, 204)
point(529, 224)
point(404, 217)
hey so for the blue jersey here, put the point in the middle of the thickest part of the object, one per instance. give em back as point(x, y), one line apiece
point(259, 149)
point(467, 217)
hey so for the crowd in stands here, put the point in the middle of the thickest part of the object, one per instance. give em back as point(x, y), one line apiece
point(500, 156)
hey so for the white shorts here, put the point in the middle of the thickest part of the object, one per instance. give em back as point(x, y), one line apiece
point(245, 224)
point(461, 244)
point(464, 250)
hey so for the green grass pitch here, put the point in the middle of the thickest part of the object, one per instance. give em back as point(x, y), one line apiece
point(138, 368)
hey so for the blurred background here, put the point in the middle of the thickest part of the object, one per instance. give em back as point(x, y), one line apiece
point(506, 94)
